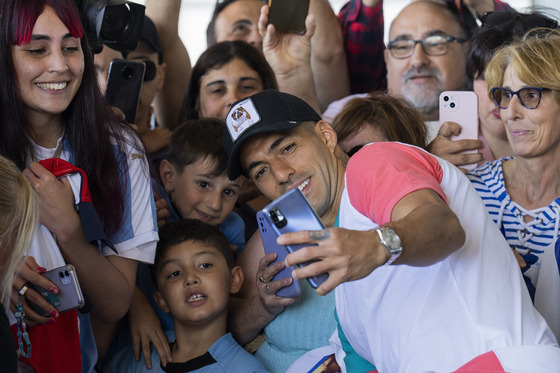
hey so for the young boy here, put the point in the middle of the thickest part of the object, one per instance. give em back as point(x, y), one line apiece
point(195, 275)
point(195, 180)
point(196, 187)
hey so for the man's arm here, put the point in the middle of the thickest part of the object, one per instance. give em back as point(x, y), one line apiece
point(328, 56)
point(289, 57)
point(428, 229)
point(165, 15)
point(253, 307)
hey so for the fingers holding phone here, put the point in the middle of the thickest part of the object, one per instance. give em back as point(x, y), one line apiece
point(269, 286)
point(460, 146)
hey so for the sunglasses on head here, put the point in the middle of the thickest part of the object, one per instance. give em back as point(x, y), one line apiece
point(496, 18)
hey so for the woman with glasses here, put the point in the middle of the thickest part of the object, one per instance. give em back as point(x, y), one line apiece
point(498, 29)
point(522, 192)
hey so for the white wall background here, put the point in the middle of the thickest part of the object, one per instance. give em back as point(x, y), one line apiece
point(195, 15)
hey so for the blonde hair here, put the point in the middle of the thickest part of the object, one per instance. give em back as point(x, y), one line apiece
point(534, 59)
point(18, 221)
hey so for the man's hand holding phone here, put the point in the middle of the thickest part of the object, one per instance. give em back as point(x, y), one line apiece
point(344, 254)
point(268, 288)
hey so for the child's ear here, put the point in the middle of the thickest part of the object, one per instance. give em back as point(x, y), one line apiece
point(160, 302)
point(236, 279)
point(167, 173)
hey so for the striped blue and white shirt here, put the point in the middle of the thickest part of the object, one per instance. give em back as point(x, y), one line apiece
point(529, 239)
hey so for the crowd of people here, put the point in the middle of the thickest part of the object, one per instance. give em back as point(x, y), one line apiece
point(430, 267)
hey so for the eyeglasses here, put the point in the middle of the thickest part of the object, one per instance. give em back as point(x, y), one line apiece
point(529, 97)
point(434, 45)
point(496, 18)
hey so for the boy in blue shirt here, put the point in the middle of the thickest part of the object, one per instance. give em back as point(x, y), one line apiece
point(195, 275)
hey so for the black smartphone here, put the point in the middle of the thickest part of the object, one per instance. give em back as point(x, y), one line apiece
point(124, 85)
point(288, 16)
point(69, 295)
point(291, 212)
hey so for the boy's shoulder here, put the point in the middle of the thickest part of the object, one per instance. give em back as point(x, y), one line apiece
point(233, 358)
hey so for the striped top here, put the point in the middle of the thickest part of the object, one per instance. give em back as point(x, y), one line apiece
point(528, 239)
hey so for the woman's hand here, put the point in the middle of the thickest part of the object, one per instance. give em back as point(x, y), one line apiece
point(29, 273)
point(57, 206)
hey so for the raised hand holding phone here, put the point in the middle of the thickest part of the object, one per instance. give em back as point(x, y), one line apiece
point(288, 16)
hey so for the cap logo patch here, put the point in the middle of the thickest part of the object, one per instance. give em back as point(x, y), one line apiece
point(241, 117)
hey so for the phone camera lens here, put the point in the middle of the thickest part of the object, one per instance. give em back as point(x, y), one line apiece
point(274, 216)
point(61, 274)
point(128, 73)
point(445, 98)
point(452, 105)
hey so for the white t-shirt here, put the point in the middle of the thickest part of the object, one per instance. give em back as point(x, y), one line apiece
point(436, 318)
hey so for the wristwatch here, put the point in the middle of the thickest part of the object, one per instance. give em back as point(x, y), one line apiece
point(392, 242)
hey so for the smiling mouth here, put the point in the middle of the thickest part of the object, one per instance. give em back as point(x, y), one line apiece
point(304, 184)
point(53, 86)
point(205, 216)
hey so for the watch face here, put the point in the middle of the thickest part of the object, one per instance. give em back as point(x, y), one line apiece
point(393, 240)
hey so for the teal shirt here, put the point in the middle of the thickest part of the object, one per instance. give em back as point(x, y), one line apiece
point(303, 326)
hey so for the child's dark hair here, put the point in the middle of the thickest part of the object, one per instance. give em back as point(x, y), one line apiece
point(174, 233)
point(198, 139)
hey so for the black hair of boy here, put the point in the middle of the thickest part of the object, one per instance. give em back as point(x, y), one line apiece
point(172, 234)
point(198, 139)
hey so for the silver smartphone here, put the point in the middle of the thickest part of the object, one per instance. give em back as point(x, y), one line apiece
point(288, 213)
point(69, 295)
point(124, 85)
point(461, 107)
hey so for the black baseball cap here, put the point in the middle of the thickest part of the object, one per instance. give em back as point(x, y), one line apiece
point(264, 112)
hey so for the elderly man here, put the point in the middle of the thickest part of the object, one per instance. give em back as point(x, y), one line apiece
point(425, 282)
point(426, 55)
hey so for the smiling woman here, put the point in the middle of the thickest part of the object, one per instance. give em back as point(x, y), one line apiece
point(225, 72)
point(52, 108)
point(522, 192)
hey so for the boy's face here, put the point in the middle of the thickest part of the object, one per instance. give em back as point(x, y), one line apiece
point(195, 283)
point(197, 194)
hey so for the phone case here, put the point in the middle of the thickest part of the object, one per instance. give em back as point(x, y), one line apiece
point(461, 107)
point(288, 16)
point(288, 213)
point(69, 295)
point(124, 85)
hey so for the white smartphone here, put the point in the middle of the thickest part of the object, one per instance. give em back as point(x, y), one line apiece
point(461, 107)
point(288, 213)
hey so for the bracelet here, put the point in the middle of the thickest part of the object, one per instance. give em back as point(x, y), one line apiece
point(22, 334)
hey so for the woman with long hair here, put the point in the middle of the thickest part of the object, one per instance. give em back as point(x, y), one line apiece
point(52, 108)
